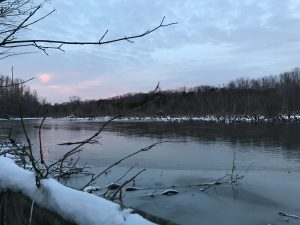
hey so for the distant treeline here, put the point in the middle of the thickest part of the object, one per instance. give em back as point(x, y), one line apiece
point(269, 96)
point(16, 97)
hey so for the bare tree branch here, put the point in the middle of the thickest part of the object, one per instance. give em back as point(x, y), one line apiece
point(113, 196)
point(7, 38)
point(97, 133)
point(41, 44)
point(40, 142)
point(94, 178)
point(38, 173)
point(16, 84)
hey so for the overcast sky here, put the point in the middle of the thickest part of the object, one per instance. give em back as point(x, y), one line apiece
point(214, 42)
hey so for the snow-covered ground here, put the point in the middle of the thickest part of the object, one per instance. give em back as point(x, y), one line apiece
point(79, 207)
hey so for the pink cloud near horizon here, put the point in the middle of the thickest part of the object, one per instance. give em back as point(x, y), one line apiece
point(45, 77)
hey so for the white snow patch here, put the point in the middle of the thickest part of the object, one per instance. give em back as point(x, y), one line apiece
point(73, 205)
point(208, 118)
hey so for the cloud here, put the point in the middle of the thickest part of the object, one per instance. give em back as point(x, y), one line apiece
point(76, 88)
point(61, 91)
point(45, 77)
point(91, 83)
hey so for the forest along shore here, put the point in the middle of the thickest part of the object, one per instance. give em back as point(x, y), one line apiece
point(273, 97)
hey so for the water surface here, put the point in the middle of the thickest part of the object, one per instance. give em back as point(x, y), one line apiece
point(204, 145)
point(201, 152)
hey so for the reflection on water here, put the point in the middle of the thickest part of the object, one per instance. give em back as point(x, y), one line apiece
point(284, 135)
point(207, 145)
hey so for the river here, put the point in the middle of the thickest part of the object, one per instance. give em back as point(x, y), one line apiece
point(197, 152)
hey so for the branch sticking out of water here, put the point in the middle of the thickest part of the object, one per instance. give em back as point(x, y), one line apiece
point(145, 149)
point(218, 182)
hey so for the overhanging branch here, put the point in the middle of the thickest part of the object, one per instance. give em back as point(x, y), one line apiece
point(43, 44)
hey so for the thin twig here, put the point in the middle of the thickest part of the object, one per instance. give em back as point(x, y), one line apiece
point(16, 84)
point(94, 178)
point(131, 168)
point(214, 183)
point(38, 173)
point(31, 212)
point(126, 182)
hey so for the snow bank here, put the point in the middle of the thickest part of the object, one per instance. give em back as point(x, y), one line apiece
point(208, 118)
point(72, 205)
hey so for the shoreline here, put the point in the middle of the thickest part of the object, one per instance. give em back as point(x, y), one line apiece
point(208, 118)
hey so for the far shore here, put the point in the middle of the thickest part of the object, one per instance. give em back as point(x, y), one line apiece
point(228, 119)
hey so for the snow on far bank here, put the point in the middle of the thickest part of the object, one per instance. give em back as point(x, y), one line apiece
point(18, 118)
point(73, 205)
point(207, 118)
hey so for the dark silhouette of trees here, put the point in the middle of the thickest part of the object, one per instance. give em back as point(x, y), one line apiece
point(269, 96)
point(16, 95)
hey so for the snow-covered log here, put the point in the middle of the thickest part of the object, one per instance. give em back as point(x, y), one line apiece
point(72, 205)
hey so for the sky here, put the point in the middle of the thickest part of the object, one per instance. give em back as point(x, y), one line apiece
point(215, 41)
